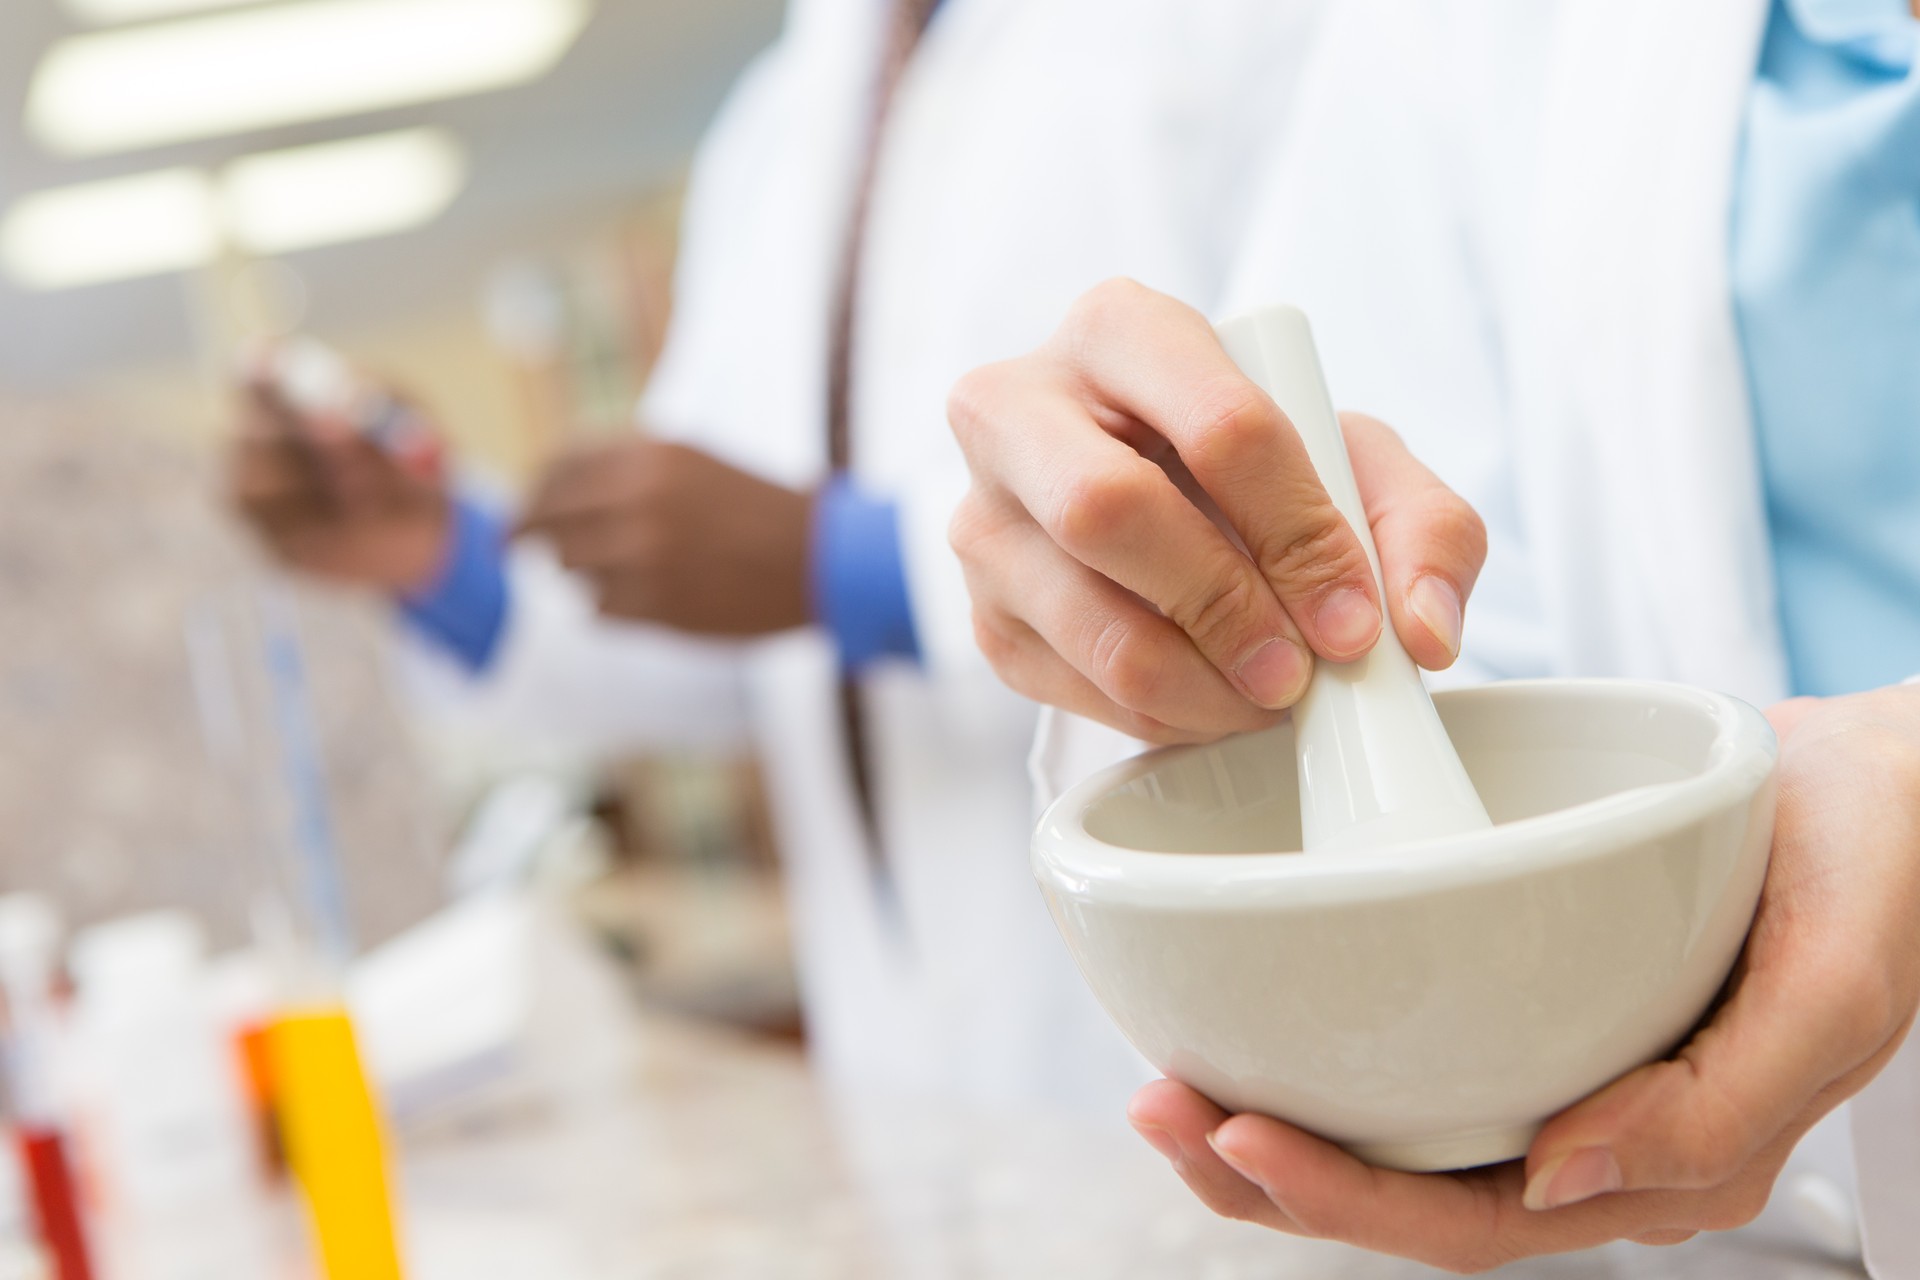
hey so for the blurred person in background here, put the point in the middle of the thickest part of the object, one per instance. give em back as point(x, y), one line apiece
point(1642, 281)
point(895, 193)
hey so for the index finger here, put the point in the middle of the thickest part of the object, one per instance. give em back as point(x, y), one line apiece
point(1124, 517)
point(1151, 359)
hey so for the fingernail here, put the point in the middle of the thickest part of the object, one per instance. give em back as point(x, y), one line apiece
point(1437, 605)
point(1582, 1175)
point(1213, 1140)
point(1159, 1139)
point(1276, 675)
point(1348, 622)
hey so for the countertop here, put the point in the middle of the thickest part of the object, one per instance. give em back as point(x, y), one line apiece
point(707, 1154)
point(609, 1143)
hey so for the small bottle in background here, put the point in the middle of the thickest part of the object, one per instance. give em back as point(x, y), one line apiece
point(336, 1142)
point(22, 1256)
point(29, 964)
point(318, 383)
point(167, 1133)
point(243, 990)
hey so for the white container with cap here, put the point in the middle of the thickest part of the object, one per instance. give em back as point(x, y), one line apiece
point(165, 1125)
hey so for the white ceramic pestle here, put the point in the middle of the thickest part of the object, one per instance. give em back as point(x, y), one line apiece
point(1376, 766)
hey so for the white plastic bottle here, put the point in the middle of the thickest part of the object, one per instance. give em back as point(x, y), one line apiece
point(164, 1115)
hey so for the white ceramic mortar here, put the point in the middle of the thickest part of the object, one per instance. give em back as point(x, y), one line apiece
point(1426, 1004)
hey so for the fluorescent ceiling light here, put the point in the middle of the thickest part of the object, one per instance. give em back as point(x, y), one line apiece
point(102, 13)
point(262, 68)
point(272, 203)
point(282, 201)
point(114, 230)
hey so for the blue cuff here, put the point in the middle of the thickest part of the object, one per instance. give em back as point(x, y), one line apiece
point(859, 580)
point(464, 609)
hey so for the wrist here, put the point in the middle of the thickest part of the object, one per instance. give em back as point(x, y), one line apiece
point(423, 554)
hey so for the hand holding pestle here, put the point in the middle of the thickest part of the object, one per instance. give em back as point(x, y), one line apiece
point(1376, 766)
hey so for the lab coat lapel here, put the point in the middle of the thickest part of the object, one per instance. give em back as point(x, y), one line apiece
point(1628, 369)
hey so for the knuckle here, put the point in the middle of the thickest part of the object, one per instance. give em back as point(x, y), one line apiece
point(1109, 302)
point(996, 641)
point(972, 400)
point(1315, 554)
point(1093, 508)
point(1230, 428)
point(1125, 664)
point(1454, 524)
point(972, 526)
point(1216, 617)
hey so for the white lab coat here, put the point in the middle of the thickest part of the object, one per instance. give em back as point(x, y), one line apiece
point(1509, 221)
point(1037, 147)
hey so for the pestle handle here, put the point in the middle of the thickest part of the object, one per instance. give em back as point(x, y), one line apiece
point(1376, 766)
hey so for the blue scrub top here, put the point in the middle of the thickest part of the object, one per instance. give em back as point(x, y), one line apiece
point(1826, 290)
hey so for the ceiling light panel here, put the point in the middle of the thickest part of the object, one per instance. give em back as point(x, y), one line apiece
point(283, 201)
point(254, 69)
point(103, 13)
point(272, 203)
point(116, 230)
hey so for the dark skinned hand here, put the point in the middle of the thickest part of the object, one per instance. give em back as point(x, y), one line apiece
point(672, 535)
point(327, 501)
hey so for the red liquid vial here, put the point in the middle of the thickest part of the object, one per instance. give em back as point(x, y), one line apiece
point(43, 1158)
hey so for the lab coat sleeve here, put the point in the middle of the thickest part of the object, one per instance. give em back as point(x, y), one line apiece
point(563, 678)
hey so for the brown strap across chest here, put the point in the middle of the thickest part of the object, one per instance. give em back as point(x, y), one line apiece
point(909, 23)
